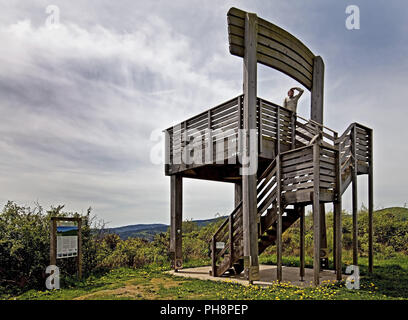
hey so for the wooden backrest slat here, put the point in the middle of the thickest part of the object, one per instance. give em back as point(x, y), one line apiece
point(276, 47)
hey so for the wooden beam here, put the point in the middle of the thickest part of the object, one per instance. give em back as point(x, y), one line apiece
point(276, 47)
point(316, 215)
point(213, 257)
point(176, 211)
point(279, 202)
point(249, 181)
point(370, 207)
point(302, 242)
point(316, 112)
point(279, 221)
point(337, 227)
point(354, 191)
point(338, 240)
point(324, 261)
point(231, 239)
point(237, 193)
point(334, 235)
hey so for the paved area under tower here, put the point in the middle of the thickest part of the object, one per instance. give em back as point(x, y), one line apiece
point(267, 274)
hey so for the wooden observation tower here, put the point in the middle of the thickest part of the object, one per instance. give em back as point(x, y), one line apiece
point(278, 161)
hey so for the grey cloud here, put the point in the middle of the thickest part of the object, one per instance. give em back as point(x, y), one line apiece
point(79, 103)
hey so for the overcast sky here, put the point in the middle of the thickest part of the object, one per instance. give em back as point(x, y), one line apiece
point(79, 102)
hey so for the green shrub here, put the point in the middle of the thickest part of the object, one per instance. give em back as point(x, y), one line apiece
point(25, 246)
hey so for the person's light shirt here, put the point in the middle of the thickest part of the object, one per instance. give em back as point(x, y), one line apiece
point(291, 102)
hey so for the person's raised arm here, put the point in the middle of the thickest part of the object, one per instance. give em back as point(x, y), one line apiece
point(300, 90)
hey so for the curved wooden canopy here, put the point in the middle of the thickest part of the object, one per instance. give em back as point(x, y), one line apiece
point(276, 47)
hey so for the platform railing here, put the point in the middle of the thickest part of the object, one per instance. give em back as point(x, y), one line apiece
point(195, 140)
point(213, 136)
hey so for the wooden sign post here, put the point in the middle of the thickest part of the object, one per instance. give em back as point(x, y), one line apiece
point(54, 243)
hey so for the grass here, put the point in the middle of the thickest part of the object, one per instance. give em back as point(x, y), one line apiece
point(389, 281)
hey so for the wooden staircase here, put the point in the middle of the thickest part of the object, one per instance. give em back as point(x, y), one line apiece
point(355, 146)
point(231, 256)
point(351, 152)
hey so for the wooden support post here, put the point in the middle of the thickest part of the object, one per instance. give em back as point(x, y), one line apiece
point(316, 114)
point(354, 195)
point(278, 136)
point(316, 111)
point(278, 200)
point(237, 193)
point(231, 239)
point(237, 198)
point(337, 229)
point(334, 235)
point(370, 206)
point(324, 261)
point(338, 240)
point(79, 257)
point(249, 181)
point(302, 242)
point(176, 208)
point(53, 242)
point(213, 254)
point(279, 222)
point(316, 213)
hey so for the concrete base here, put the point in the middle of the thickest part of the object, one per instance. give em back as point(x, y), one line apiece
point(267, 274)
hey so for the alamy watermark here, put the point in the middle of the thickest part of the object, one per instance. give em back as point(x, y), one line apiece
point(353, 18)
point(353, 281)
point(53, 280)
point(209, 146)
point(53, 18)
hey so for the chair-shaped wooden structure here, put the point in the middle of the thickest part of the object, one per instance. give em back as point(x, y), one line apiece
point(278, 161)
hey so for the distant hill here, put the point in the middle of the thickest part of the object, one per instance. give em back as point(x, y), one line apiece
point(399, 212)
point(148, 231)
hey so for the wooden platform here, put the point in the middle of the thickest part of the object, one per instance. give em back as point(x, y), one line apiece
point(267, 275)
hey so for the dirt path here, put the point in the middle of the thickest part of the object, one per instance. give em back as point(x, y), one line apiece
point(133, 289)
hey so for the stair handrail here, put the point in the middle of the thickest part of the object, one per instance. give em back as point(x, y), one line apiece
point(268, 169)
point(320, 128)
point(227, 219)
point(314, 139)
point(346, 132)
